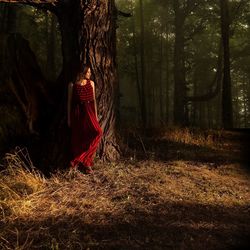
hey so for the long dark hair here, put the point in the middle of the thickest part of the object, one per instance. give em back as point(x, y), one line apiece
point(81, 74)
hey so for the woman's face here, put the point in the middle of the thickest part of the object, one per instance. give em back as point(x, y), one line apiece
point(88, 74)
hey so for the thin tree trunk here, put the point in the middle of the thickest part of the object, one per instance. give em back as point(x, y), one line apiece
point(167, 75)
point(150, 89)
point(160, 80)
point(195, 103)
point(245, 104)
point(138, 87)
point(144, 110)
point(227, 116)
point(179, 66)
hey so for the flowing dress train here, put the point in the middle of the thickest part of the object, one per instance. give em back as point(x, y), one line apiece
point(86, 132)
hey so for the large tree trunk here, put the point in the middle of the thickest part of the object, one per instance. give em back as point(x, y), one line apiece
point(227, 113)
point(88, 36)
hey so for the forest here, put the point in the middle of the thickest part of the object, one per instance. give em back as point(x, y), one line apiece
point(172, 96)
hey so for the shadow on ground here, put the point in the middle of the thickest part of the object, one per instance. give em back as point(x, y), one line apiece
point(232, 148)
point(166, 226)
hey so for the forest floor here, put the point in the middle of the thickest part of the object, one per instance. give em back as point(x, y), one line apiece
point(177, 189)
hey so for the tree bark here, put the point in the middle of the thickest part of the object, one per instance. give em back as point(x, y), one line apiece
point(227, 116)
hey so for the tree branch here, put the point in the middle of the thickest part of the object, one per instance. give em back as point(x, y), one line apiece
point(37, 2)
point(121, 13)
point(41, 4)
point(212, 92)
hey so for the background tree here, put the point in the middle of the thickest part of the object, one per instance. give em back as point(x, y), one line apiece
point(227, 114)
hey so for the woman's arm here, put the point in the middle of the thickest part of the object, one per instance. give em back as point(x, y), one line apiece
point(70, 91)
point(93, 85)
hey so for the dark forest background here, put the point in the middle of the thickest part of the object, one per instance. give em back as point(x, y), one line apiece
point(146, 53)
point(172, 68)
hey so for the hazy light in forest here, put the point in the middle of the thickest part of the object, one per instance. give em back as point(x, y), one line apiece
point(244, 25)
point(164, 35)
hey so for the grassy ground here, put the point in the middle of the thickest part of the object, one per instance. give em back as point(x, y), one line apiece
point(178, 189)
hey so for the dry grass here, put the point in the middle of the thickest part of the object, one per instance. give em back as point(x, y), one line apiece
point(131, 204)
point(210, 138)
point(192, 136)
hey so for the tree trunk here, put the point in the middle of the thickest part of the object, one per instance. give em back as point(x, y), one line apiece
point(195, 106)
point(51, 37)
point(160, 80)
point(167, 118)
point(138, 87)
point(227, 116)
point(179, 66)
point(244, 95)
point(143, 104)
point(88, 30)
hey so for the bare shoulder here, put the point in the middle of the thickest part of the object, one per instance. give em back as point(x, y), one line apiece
point(92, 83)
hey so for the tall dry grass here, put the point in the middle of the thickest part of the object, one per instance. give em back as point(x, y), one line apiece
point(194, 136)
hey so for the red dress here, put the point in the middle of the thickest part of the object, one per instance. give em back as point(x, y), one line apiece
point(86, 132)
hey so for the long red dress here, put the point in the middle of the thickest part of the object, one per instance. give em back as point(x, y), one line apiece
point(86, 132)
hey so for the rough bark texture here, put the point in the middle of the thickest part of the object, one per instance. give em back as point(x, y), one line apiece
point(97, 38)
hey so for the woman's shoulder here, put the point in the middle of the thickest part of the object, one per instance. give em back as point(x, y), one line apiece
point(71, 84)
point(92, 83)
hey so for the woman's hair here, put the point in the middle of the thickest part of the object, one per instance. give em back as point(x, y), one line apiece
point(85, 69)
point(82, 74)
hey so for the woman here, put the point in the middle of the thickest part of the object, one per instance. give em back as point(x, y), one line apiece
point(86, 132)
